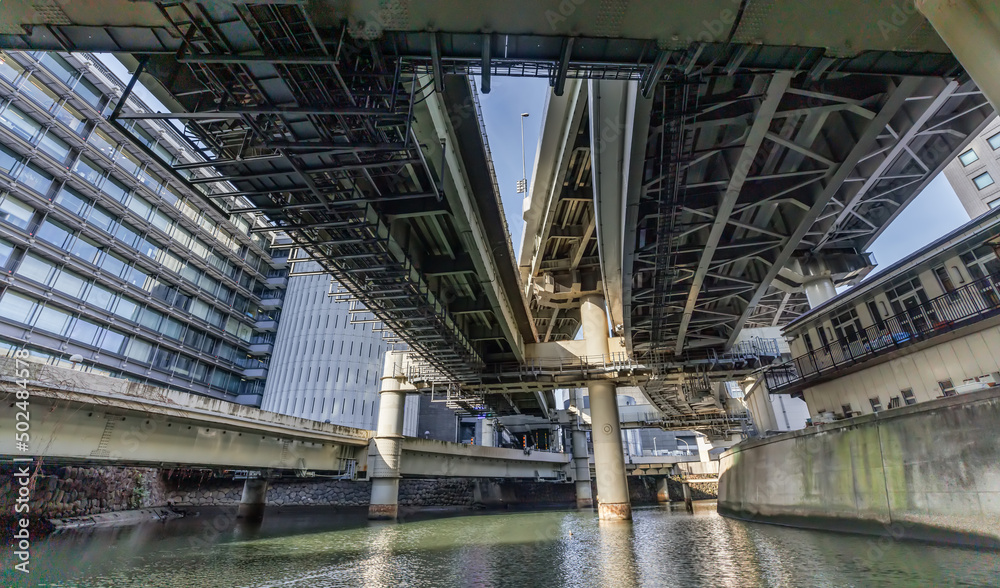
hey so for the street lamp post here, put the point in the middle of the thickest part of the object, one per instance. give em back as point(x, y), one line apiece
point(522, 184)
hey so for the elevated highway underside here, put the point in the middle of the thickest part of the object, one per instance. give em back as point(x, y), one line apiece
point(694, 159)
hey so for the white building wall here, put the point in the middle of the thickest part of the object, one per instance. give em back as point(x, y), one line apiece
point(976, 201)
point(323, 366)
point(960, 359)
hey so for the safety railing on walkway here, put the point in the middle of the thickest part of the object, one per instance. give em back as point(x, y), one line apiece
point(963, 306)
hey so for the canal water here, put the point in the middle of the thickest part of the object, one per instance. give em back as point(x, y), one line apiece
point(315, 548)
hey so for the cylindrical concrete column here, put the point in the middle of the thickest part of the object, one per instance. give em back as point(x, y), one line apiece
point(385, 449)
point(609, 459)
point(687, 496)
point(971, 29)
point(488, 436)
point(594, 320)
point(581, 465)
point(663, 489)
point(581, 456)
point(253, 500)
point(819, 290)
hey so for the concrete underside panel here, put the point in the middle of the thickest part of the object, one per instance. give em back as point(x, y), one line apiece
point(929, 471)
point(438, 459)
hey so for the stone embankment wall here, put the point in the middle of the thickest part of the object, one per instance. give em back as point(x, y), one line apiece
point(927, 471)
point(76, 491)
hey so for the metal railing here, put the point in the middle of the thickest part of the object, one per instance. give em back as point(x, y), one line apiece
point(970, 303)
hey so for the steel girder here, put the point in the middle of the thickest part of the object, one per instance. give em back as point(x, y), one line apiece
point(739, 170)
point(327, 151)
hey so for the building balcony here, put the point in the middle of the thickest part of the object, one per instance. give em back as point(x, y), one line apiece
point(272, 299)
point(277, 282)
point(921, 324)
point(266, 325)
point(280, 259)
point(261, 348)
point(256, 373)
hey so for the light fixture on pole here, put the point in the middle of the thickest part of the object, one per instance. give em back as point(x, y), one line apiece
point(522, 184)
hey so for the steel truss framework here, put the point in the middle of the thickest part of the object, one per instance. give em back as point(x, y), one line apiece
point(746, 171)
point(757, 153)
point(325, 149)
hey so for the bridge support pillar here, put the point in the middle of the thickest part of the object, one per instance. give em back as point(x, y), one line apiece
point(488, 437)
point(581, 459)
point(385, 450)
point(819, 290)
point(972, 31)
point(609, 459)
point(581, 463)
point(253, 500)
point(663, 490)
point(688, 504)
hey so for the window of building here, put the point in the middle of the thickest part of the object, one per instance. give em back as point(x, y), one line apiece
point(36, 179)
point(113, 265)
point(908, 396)
point(53, 320)
point(6, 251)
point(113, 341)
point(39, 93)
point(993, 203)
point(89, 92)
point(876, 404)
point(16, 307)
point(994, 141)
point(127, 308)
point(983, 180)
point(139, 350)
point(72, 118)
point(9, 69)
point(895, 402)
point(15, 212)
point(8, 160)
point(59, 67)
point(85, 249)
point(54, 146)
point(88, 170)
point(70, 284)
point(847, 410)
point(968, 157)
point(100, 297)
point(847, 326)
point(85, 332)
point(55, 233)
point(947, 388)
point(944, 279)
point(20, 123)
point(71, 200)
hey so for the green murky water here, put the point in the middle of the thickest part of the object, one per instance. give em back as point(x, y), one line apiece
point(315, 548)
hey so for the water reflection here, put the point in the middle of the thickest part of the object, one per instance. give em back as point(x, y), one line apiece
point(317, 548)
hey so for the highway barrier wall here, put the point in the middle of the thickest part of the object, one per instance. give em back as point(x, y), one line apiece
point(930, 471)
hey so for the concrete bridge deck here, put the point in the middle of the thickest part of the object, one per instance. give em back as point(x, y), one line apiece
point(83, 417)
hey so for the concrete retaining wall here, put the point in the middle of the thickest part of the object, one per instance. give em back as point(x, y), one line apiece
point(930, 471)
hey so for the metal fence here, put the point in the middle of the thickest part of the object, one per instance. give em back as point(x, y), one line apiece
point(970, 303)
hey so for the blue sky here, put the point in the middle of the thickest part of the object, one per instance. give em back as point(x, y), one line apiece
point(931, 214)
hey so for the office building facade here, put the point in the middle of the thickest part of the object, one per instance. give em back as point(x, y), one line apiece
point(324, 366)
point(975, 173)
point(106, 255)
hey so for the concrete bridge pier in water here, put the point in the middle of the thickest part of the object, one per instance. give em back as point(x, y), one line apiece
point(388, 437)
point(609, 457)
point(254, 499)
